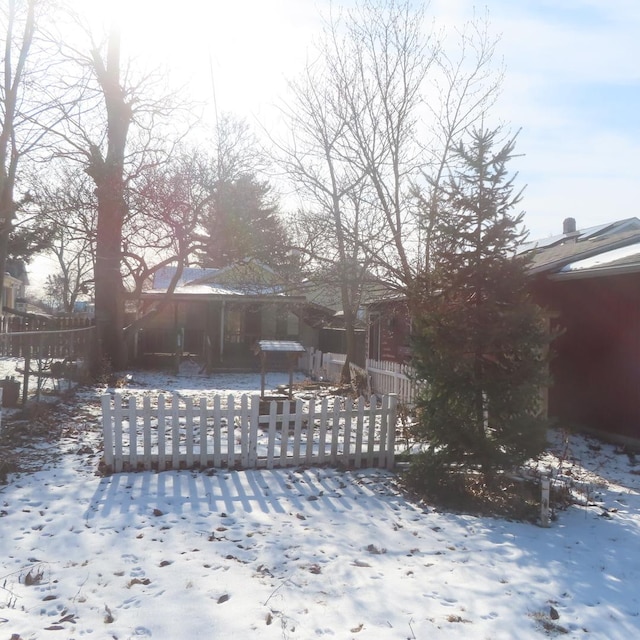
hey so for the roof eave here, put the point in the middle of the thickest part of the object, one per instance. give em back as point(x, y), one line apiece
point(595, 272)
point(588, 253)
point(216, 297)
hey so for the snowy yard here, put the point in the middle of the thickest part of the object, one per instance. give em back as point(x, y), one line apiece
point(302, 553)
point(152, 430)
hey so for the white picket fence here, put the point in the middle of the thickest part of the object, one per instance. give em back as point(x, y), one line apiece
point(174, 432)
point(386, 377)
point(392, 377)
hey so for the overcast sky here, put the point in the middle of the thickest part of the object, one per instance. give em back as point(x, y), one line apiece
point(572, 83)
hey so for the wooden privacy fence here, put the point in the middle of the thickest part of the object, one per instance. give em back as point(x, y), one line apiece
point(182, 433)
point(386, 377)
point(52, 350)
point(49, 337)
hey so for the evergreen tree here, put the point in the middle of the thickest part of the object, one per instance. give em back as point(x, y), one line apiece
point(480, 341)
point(243, 222)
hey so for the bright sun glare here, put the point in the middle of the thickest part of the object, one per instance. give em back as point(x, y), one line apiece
point(245, 51)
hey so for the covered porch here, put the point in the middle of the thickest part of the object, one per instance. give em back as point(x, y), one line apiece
point(220, 334)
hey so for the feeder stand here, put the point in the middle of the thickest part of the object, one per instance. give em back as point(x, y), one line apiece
point(291, 348)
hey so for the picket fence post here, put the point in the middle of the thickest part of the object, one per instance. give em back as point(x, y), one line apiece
point(133, 433)
point(391, 430)
point(175, 431)
point(253, 431)
point(217, 439)
point(244, 431)
point(231, 436)
point(188, 430)
point(146, 436)
point(202, 432)
point(162, 462)
point(107, 430)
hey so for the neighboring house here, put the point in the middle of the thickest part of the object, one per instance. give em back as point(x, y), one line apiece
point(84, 308)
point(324, 311)
point(389, 334)
point(12, 292)
point(323, 328)
point(218, 315)
point(15, 283)
point(589, 281)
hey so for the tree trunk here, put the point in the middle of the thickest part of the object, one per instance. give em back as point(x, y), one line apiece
point(6, 216)
point(108, 175)
point(108, 281)
point(350, 345)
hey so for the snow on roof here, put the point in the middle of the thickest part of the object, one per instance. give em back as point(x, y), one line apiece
point(603, 259)
point(195, 281)
point(162, 277)
point(283, 346)
point(221, 290)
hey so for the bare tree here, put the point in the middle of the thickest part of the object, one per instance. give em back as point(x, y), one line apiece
point(316, 161)
point(66, 202)
point(236, 150)
point(466, 87)
point(17, 132)
point(117, 128)
point(386, 104)
point(166, 205)
point(381, 55)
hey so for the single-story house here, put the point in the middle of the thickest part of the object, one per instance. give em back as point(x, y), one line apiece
point(219, 315)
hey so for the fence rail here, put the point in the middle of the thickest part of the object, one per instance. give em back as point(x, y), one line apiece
point(175, 433)
point(386, 377)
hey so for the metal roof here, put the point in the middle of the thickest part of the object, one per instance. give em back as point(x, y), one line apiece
point(615, 261)
point(282, 346)
point(554, 258)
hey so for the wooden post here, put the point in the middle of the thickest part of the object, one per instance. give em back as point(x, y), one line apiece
point(27, 369)
point(107, 431)
point(222, 306)
point(544, 503)
point(292, 359)
point(391, 430)
point(253, 432)
point(263, 367)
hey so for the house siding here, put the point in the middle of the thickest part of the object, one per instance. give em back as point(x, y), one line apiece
point(389, 335)
point(595, 362)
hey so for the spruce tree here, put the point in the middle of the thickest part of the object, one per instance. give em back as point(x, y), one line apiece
point(243, 222)
point(480, 341)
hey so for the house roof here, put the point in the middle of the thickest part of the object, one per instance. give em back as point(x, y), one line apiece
point(625, 259)
point(162, 277)
point(249, 279)
point(320, 317)
point(553, 255)
point(619, 226)
point(280, 346)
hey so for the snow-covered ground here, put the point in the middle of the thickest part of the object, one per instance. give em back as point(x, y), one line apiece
point(303, 553)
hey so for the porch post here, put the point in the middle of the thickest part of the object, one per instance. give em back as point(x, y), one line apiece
point(222, 332)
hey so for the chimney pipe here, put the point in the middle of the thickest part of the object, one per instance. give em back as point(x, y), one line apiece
point(569, 226)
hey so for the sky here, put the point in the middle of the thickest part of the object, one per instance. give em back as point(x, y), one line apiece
point(572, 84)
